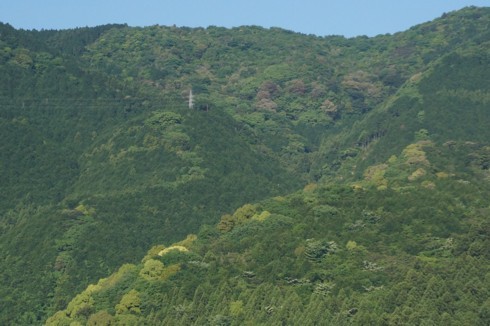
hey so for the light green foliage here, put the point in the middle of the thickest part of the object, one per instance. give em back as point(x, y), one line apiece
point(272, 273)
point(351, 245)
point(85, 210)
point(81, 306)
point(99, 117)
point(22, 58)
point(375, 176)
point(152, 270)
point(417, 174)
point(240, 216)
point(153, 252)
point(262, 216)
point(59, 319)
point(130, 303)
point(412, 165)
point(414, 154)
point(244, 213)
point(124, 272)
point(236, 308)
point(226, 223)
point(101, 318)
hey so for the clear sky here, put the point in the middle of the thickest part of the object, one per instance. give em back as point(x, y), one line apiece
point(320, 17)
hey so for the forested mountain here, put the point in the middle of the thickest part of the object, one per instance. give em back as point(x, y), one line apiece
point(311, 180)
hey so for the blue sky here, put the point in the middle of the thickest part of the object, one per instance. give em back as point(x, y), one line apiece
point(327, 17)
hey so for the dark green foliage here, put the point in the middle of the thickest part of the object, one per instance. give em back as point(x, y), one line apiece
point(101, 158)
point(271, 272)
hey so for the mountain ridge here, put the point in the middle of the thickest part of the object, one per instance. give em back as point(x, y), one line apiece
point(101, 152)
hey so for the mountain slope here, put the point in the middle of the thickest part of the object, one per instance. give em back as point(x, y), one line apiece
point(447, 102)
point(414, 251)
point(101, 159)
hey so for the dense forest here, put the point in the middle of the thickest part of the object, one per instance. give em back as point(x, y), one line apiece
point(245, 176)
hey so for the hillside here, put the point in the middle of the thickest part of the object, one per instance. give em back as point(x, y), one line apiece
point(102, 159)
point(411, 251)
